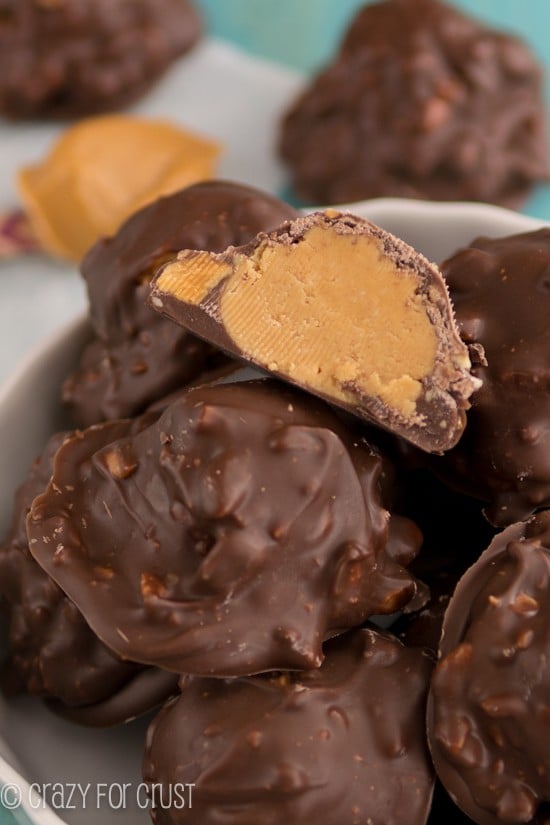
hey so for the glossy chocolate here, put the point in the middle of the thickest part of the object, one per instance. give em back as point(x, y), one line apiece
point(70, 58)
point(420, 101)
point(501, 293)
point(136, 356)
point(444, 811)
point(51, 650)
point(488, 721)
point(341, 745)
point(230, 537)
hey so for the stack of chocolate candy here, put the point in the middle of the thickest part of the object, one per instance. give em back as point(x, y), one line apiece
point(228, 546)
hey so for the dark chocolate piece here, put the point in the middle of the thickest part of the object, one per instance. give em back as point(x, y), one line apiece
point(420, 101)
point(444, 811)
point(232, 536)
point(341, 745)
point(52, 652)
point(136, 356)
point(488, 718)
point(501, 293)
point(70, 58)
point(148, 689)
point(340, 307)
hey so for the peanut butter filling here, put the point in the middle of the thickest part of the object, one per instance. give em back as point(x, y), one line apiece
point(331, 310)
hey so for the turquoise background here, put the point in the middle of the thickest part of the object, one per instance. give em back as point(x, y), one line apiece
point(303, 34)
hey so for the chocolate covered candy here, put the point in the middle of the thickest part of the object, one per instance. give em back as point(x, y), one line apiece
point(420, 101)
point(454, 532)
point(489, 700)
point(232, 536)
point(341, 745)
point(340, 307)
point(74, 57)
point(52, 652)
point(135, 356)
point(501, 293)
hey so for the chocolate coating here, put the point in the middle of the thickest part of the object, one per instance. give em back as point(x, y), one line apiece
point(420, 101)
point(444, 810)
point(455, 533)
point(52, 652)
point(230, 537)
point(488, 721)
point(501, 293)
point(75, 57)
point(341, 745)
point(136, 356)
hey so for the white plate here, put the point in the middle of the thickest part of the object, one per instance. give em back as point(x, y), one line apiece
point(47, 749)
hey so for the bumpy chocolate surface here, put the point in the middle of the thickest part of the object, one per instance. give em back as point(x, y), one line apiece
point(136, 356)
point(74, 57)
point(420, 101)
point(231, 537)
point(342, 745)
point(488, 719)
point(52, 652)
point(501, 293)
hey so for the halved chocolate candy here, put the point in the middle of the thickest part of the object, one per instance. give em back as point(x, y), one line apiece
point(340, 307)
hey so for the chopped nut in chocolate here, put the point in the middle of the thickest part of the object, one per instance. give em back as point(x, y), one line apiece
point(488, 720)
point(455, 533)
point(339, 307)
point(420, 101)
point(102, 170)
point(232, 536)
point(68, 58)
point(341, 745)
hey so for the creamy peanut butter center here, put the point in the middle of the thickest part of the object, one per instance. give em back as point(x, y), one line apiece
point(330, 309)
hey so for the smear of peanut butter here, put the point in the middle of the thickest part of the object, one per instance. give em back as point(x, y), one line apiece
point(102, 170)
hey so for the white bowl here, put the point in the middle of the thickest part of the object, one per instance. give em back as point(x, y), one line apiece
point(47, 749)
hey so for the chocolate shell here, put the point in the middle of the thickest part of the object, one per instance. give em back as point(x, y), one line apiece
point(341, 745)
point(135, 356)
point(52, 652)
point(420, 101)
